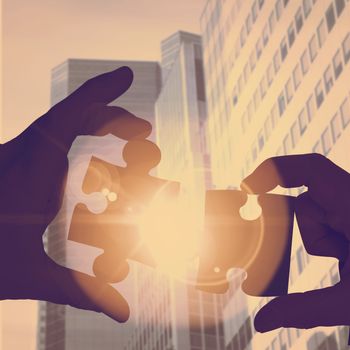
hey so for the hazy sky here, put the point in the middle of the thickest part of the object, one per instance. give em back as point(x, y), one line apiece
point(39, 34)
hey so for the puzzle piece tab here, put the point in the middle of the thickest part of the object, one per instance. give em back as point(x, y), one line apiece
point(128, 191)
point(261, 247)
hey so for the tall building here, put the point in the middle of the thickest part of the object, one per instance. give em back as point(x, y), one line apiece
point(63, 327)
point(277, 77)
point(173, 314)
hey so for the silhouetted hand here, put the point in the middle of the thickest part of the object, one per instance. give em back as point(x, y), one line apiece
point(323, 215)
point(33, 170)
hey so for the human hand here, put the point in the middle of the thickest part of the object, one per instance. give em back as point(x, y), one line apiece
point(33, 170)
point(323, 216)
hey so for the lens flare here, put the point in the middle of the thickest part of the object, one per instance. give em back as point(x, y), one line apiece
point(171, 228)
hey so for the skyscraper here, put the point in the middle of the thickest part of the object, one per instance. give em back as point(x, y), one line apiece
point(173, 314)
point(277, 83)
point(63, 327)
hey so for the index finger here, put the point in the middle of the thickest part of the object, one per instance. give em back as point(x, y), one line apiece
point(312, 170)
point(103, 88)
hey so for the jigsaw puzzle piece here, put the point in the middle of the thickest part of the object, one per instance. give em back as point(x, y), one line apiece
point(261, 247)
point(128, 192)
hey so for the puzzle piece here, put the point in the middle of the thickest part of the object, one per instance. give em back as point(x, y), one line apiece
point(128, 190)
point(261, 247)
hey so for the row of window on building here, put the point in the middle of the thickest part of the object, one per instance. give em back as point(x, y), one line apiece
point(255, 55)
point(309, 110)
point(309, 55)
point(333, 131)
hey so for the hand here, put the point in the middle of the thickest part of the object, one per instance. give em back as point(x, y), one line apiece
point(33, 169)
point(323, 215)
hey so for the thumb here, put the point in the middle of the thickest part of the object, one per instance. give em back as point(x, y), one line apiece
point(87, 292)
point(322, 307)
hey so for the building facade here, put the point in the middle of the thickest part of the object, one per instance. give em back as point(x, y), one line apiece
point(276, 76)
point(172, 314)
point(63, 327)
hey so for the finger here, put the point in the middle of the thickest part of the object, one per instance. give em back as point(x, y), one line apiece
point(103, 88)
point(107, 268)
point(100, 120)
point(322, 307)
point(86, 292)
point(312, 170)
point(286, 171)
point(318, 237)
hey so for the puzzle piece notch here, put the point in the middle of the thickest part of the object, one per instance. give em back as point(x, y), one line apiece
point(128, 190)
point(261, 247)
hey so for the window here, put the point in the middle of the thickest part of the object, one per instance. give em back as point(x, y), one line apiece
point(291, 34)
point(321, 33)
point(272, 21)
point(310, 107)
point(339, 5)
point(330, 17)
point(289, 90)
point(334, 275)
point(258, 48)
point(295, 133)
point(284, 49)
point(299, 20)
point(248, 24)
point(345, 112)
point(300, 259)
point(336, 127)
point(346, 48)
point(277, 61)
point(265, 35)
point(263, 87)
point(304, 61)
point(317, 148)
point(319, 94)
point(287, 144)
point(326, 141)
point(270, 74)
point(328, 78)
point(279, 9)
point(297, 76)
point(302, 118)
point(254, 151)
point(252, 61)
point(261, 140)
point(313, 48)
point(337, 64)
point(235, 96)
point(254, 11)
point(281, 104)
point(243, 36)
point(307, 5)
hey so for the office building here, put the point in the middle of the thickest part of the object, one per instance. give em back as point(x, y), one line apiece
point(63, 327)
point(173, 314)
point(277, 83)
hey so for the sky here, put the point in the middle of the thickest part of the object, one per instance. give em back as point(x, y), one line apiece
point(40, 34)
point(37, 35)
